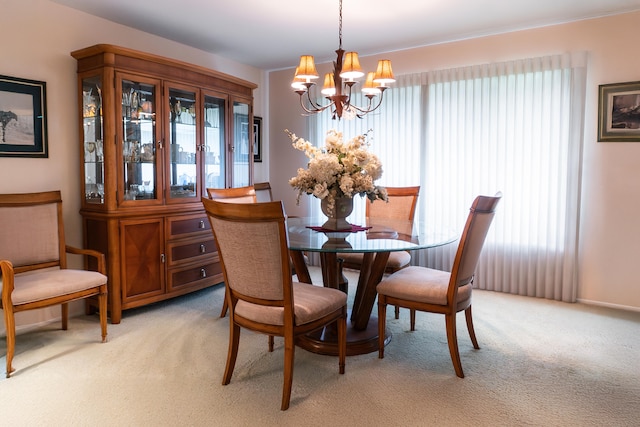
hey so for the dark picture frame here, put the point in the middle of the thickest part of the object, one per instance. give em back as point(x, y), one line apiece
point(257, 139)
point(23, 118)
point(619, 112)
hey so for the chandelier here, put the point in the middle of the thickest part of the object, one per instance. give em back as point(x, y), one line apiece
point(339, 83)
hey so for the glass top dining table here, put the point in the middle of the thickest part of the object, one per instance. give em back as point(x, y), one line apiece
point(375, 240)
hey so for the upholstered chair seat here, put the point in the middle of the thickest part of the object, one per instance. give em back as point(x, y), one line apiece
point(397, 260)
point(310, 304)
point(422, 284)
point(31, 287)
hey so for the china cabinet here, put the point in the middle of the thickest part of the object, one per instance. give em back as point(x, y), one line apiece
point(154, 134)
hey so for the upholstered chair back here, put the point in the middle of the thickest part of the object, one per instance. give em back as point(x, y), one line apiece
point(31, 235)
point(254, 270)
point(478, 222)
point(257, 275)
point(398, 212)
point(233, 195)
point(263, 192)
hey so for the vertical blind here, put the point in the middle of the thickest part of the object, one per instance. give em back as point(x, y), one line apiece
point(514, 127)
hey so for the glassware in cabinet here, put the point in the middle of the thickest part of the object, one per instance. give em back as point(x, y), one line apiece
point(242, 151)
point(183, 143)
point(138, 140)
point(214, 142)
point(93, 139)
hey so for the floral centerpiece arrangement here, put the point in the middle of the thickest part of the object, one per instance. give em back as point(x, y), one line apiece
point(339, 170)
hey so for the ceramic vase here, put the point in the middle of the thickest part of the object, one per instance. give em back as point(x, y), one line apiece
point(336, 219)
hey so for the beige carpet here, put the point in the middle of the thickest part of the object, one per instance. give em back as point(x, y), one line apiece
point(542, 363)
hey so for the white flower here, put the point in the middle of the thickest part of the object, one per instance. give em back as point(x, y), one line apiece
point(341, 169)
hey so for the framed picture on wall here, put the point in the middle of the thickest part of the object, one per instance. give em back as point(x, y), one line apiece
point(23, 118)
point(257, 139)
point(619, 112)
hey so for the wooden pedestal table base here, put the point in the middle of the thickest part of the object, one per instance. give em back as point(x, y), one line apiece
point(362, 330)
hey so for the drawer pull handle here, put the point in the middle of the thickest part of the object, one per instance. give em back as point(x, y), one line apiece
point(203, 249)
point(201, 225)
point(203, 273)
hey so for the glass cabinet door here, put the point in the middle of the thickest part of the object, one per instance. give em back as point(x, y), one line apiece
point(214, 143)
point(139, 151)
point(93, 148)
point(183, 145)
point(242, 135)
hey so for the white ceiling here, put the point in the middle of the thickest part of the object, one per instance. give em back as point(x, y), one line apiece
point(272, 34)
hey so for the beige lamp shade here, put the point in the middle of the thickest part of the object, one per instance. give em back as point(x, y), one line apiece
point(351, 68)
point(298, 82)
point(307, 68)
point(370, 87)
point(329, 87)
point(384, 73)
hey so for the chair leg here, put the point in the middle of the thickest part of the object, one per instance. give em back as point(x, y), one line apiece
point(64, 314)
point(472, 332)
point(10, 325)
point(102, 306)
point(342, 342)
point(270, 343)
point(225, 305)
point(232, 355)
point(382, 320)
point(289, 353)
point(397, 312)
point(452, 339)
point(412, 317)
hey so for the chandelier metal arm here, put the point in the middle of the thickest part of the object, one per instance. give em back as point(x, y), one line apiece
point(369, 108)
point(314, 107)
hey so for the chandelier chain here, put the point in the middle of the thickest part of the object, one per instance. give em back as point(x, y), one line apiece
point(340, 26)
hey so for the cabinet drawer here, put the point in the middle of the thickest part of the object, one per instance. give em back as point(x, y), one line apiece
point(210, 274)
point(191, 250)
point(184, 226)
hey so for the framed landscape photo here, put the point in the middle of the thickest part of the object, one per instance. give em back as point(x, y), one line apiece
point(619, 112)
point(257, 139)
point(23, 118)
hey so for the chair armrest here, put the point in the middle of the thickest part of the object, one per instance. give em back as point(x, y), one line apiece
point(6, 281)
point(99, 256)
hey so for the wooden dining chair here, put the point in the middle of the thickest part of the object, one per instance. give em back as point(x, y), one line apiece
point(263, 191)
point(262, 294)
point(436, 291)
point(232, 195)
point(401, 206)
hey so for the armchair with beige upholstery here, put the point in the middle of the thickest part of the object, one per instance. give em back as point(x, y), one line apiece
point(33, 263)
point(435, 291)
point(262, 297)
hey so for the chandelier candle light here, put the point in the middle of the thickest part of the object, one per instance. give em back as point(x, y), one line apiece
point(336, 173)
point(338, 84)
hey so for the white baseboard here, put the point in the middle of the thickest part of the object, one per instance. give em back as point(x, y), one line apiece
point(21, 329)
point(609, 305)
